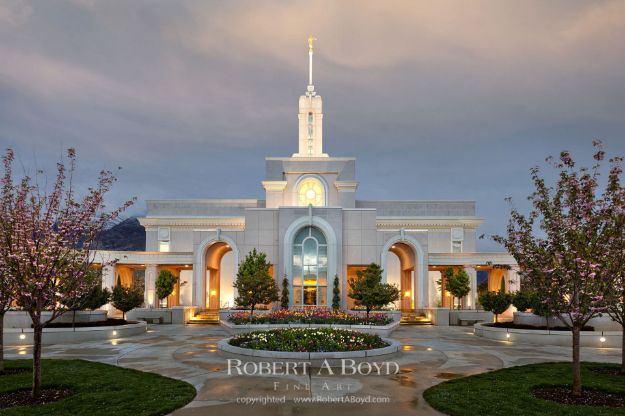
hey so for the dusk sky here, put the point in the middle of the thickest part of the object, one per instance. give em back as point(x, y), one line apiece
point(436, 100)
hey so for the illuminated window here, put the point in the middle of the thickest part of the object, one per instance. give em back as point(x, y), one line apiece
point(310, 268)
point(311, 192)
point(163, 246)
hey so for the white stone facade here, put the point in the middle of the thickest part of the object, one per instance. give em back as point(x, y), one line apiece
point(411, 240)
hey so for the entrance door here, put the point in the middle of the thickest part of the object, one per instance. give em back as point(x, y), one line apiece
point(213, 289)
point(310, 296)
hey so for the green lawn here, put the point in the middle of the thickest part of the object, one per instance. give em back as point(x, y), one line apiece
point(100, 389)
point(507, 392)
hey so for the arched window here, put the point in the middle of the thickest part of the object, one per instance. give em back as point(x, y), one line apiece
point(310, 191)
point(310, 268)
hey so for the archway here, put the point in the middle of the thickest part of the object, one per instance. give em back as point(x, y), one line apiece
point(408, 249)
point(400, 270)
point(218, 291)
point(214, 270)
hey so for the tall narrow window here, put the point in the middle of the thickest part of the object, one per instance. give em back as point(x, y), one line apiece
point(310, 268)
point(310, 133)
point(310, 125)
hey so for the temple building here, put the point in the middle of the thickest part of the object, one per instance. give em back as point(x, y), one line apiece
point(312, 227)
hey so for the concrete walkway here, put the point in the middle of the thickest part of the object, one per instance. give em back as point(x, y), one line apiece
point(429, 356)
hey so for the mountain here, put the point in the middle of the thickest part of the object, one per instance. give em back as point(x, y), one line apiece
point(128, 235)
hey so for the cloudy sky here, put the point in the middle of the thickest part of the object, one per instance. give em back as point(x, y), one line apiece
point(436, 99)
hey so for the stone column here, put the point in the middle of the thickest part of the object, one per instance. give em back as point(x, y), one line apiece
point(151, 270)
point(472, 297)
point(108, 281)
point(513, 280)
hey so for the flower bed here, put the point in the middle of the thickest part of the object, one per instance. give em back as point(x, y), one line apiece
point(308, 340)
point(311, 316)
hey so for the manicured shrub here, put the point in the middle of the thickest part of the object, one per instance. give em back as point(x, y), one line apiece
point(336, 294)
point(496, 302)
point(165, 284)
point(284, 295)
point(524, 299)
point(97, 297)
point(126, 298)
point(458, 284)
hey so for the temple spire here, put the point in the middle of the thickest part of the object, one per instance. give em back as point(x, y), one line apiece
point(311, 87)
point(310, 116)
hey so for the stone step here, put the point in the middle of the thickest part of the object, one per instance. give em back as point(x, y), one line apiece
point(409, 318)
point(203, 322)
point(423, 323)
point(205, 317)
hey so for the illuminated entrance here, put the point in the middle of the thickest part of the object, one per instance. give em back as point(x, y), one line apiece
point(310, 268)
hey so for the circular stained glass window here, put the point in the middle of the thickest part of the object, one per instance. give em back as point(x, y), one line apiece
point(311, 192)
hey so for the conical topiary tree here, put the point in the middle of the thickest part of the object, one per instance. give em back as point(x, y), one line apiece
point(336, 294)
point(284, 295)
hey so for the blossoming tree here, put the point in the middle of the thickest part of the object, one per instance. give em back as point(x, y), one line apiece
point(47, 237)
point(614, 209)
point(7, 295)
point(562, 246)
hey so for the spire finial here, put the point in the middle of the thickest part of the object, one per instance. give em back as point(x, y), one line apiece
point(311, 39)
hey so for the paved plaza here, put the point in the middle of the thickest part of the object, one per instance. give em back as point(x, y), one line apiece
point(429, 355)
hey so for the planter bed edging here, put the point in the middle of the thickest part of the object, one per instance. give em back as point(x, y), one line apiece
point(393, 347)
point(613, 339)
point(73, 335)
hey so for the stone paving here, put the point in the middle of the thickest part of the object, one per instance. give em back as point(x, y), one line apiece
point(429, 355)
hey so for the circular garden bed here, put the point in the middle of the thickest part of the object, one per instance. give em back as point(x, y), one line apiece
point(535, 389)
point(309, 343)
point(308, 340)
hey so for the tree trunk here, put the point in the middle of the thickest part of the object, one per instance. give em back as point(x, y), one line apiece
point(252, 311)
point(577, 373)
point(622, 350)
point(1, 342)
point(368, 309)
point(36, 389)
